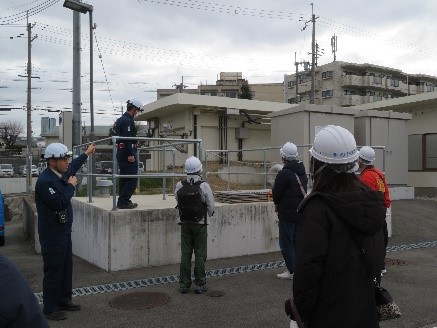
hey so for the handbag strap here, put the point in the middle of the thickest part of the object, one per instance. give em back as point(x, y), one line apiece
point(300, 185)
point(362, 255)
point(296, 314)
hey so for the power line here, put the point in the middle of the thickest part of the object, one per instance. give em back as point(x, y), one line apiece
point(27, 13)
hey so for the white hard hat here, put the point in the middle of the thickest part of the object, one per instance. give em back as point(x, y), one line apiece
point(334, 145)
point(135, 102)
point(193, 165)
point(57, 150)
point(288, 151)
point(367, 155)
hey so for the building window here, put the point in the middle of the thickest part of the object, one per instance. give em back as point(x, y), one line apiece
point(231, 94)
point(327, 94)
point(327, 75)
point(394, 83)
point(291, 84)
point(422, 152)
point(429, 87)
point(377, 80)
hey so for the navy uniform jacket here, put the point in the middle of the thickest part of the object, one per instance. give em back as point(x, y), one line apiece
point(18, 305)
point(125, 127)
point(286, 191)
point(53, 194)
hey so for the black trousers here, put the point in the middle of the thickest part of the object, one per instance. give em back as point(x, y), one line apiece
point(58, 270)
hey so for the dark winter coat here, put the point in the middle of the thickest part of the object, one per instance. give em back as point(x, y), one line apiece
point(331, 286)
point(286, 191)
point(53, 194)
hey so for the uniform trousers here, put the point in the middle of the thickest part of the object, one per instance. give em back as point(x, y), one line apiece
point(58, 270)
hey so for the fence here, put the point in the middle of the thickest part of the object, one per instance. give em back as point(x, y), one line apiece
point(260, 173)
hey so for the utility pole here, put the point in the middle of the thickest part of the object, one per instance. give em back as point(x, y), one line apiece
point(296, 63)
point(313, 52)
point(76, 127)
point(313, 55)
point(29, 106)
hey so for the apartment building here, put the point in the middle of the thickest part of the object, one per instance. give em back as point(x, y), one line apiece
point(348, 84)
point(228, 85)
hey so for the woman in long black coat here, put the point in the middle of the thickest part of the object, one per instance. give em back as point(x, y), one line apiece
point(333, 281)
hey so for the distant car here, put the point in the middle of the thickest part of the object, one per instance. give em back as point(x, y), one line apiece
point(34, 171)
point(140, 167)
point(104, 167)
point(41, 167)
point(6, 170)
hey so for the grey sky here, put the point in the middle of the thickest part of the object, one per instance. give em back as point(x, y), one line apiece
point(145, 45)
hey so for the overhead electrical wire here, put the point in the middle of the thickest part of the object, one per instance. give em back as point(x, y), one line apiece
point(11, 19)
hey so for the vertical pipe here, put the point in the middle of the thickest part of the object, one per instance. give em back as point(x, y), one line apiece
point(92, 135)
point(114, 178)
point(29, 109)
point(76, 140)
point(164, 171)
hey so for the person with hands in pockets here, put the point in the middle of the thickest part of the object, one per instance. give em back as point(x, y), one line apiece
point(53, 192)
point(195, 201)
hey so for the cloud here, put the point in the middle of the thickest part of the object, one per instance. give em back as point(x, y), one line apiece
point(143, 45)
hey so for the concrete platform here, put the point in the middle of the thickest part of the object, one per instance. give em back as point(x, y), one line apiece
point(149, 234)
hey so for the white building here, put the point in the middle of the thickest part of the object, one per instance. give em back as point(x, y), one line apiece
point(347, 84)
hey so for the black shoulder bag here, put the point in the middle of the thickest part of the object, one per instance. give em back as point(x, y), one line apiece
point(385, 307)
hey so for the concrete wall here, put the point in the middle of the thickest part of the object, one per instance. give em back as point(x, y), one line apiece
point(118, 240)
point(424, 121)
point(298, 125)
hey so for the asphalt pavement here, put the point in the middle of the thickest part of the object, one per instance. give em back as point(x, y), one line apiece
point(242, 291)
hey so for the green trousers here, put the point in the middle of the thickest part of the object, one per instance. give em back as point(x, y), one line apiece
point(193, 238)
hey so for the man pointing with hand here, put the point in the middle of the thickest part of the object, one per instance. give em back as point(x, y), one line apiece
point(53, 192)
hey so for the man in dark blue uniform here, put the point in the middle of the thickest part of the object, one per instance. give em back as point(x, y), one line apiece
point(53, 192)
point(127, 156)
point(18, 306)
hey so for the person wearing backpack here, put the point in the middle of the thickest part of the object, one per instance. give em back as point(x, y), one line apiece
point(195, 201)
point(375, 179)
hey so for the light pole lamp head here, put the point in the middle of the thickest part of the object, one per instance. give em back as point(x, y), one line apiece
point(78, 6)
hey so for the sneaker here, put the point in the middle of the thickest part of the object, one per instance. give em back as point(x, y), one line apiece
point(200, 289)
point(127, 206)
point(69, 306)
point(285, 275)
point(183, 290)
point(384, 271)
point(56, 316)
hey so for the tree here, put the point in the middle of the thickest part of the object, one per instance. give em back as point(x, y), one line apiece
point(245, 92)
point(9, 132)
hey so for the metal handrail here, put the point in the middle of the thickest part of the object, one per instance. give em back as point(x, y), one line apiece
point(168, 146)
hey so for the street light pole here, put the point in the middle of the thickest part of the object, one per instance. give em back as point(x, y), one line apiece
point(29, 110)
point(92, 134)
point(86, 8)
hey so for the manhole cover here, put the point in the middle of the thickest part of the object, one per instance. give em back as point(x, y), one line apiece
point(389, 261)
point(139, 300)
point(215, 293)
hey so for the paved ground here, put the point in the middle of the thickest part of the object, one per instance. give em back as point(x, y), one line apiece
point(251, 299)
